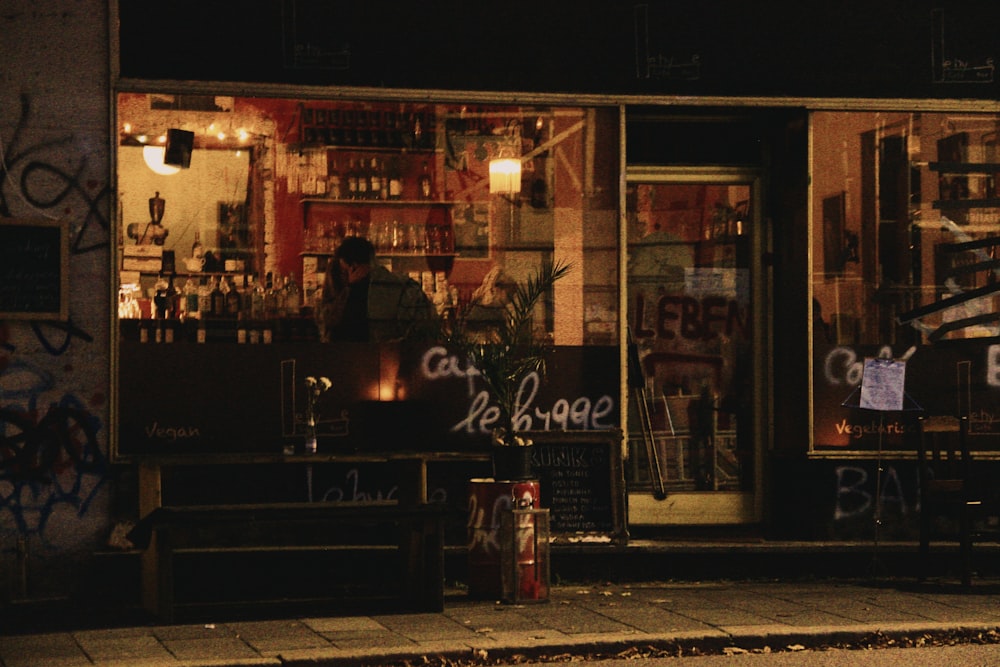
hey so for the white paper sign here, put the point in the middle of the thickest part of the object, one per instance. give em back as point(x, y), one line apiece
point(882, 384)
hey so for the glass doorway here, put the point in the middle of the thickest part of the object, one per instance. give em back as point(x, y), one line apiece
point(695, 346)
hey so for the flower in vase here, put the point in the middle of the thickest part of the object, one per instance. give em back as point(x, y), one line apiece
point(315, 387)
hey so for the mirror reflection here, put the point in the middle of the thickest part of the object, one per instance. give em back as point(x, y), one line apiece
point(204, 208)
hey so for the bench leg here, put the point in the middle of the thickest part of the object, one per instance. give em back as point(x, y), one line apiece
point(422, 552)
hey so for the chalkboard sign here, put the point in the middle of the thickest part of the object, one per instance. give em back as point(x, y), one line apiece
point(582, 484)
point(34, 274)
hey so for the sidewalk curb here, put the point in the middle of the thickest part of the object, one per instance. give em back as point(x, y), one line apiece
point(677, 644)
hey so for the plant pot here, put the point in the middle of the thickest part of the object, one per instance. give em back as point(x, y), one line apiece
point(512, 463)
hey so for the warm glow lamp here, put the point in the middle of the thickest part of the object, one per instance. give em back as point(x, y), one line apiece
point(505, 176)
point(153, 155)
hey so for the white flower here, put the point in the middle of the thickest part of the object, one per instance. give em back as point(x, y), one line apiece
point(315, 387)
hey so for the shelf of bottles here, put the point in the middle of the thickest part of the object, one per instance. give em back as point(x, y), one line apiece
point(424, 235)
point(217, 307)
point(365, 127)
point(390, 199)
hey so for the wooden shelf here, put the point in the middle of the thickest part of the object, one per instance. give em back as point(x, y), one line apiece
point(954, 204)
point(965, 167)
point(413, 255)
point(403, 203)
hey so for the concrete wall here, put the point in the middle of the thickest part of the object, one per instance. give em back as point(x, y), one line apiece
point(54, 376)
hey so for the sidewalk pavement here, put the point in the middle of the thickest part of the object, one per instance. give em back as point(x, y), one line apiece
point(612, 619)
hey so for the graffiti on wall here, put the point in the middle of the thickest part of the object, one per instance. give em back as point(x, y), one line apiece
point(49, 188)
point(51, 457)
point(857, 492)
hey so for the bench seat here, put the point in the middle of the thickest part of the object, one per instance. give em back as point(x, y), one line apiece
point(308, 557)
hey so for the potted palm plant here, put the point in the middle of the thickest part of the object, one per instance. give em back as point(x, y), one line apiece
point(496, 336)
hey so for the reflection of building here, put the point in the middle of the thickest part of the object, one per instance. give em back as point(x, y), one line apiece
point(874, 195)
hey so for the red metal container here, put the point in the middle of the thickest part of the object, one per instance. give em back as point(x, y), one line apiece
point(488, 501)
point(524, 555)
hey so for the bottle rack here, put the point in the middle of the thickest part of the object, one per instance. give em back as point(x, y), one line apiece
point(396, 228)
point(368, 127)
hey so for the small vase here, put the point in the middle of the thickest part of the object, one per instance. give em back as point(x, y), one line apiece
point(311, 443)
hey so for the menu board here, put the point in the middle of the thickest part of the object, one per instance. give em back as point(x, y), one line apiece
point(581, 484)
point(34, 274)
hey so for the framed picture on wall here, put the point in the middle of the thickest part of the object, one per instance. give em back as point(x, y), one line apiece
point(834, 212)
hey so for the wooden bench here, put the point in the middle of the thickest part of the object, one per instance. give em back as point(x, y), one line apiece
point(308, 557)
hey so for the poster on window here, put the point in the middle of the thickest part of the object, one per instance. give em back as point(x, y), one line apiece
point(882, 385)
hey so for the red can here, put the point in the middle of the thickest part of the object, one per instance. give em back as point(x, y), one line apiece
point(488, 501)
point(524, 555)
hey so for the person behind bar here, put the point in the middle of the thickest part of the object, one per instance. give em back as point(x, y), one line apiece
point(365, 302)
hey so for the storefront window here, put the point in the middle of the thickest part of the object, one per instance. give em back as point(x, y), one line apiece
point(226, 236)
point(904, 247)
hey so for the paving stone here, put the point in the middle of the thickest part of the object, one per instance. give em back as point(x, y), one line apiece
point(215, 648)
point(124, 648)
point(423, 627)
point(345, 624)
point(573, 619)
point(57, 650)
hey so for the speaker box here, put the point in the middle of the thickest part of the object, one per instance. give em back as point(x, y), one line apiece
point(178, 149)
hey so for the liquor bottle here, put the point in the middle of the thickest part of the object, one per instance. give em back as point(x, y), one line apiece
point(334, 132)
point(161, 298)
point(352, 180)
point(204, 299)
point(181, 302)
point(434, 239)
point(233, 299)
point(391, 129)
point(395, 237)
point(257, 308)
point(425, 189)
point(333, 181)
point(383, 176)
point(375, 180)
point(347, 127)
point(430, 130)
point(364, 180)
point(361, 126)
point(418, 130)
point(241, 329)
point(270, 298)
point(375, 128)
point(447, 239)
point(190, 291)
point(293, 297)
point(246, 296)
point(395, 189)
point(217, 302)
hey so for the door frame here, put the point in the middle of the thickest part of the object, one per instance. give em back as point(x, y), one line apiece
point(712, 507)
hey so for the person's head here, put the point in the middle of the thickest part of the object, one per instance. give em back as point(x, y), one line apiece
point(354, 256)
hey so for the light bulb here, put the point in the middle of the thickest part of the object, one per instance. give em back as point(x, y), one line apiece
point(153, 156)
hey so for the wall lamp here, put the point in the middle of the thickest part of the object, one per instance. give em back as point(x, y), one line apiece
point(505, 176)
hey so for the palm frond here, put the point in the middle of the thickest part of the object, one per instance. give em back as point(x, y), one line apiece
point(525, 297)
point(510, 353)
